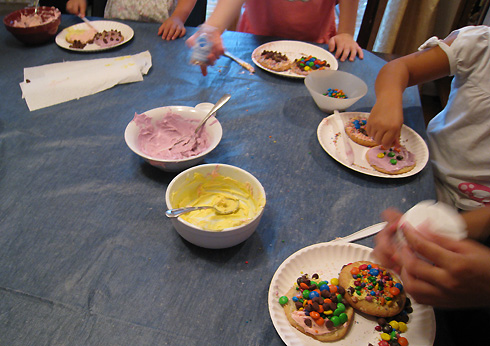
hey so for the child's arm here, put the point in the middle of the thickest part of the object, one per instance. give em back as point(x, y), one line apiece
point(173, 27)
point(344, 42)
point(478, 223)
point(224, 14)
point(386, 117)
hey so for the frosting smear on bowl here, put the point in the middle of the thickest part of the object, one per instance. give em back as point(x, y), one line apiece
point(209, 189)
point(157, 139)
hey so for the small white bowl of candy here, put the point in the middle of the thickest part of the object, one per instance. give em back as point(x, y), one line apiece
point(335, 90)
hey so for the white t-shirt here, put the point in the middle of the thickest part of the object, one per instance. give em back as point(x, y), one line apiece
point(140, 10)
point(459, 136)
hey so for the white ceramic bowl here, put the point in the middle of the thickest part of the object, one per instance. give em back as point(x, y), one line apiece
point(216, 239)
point(212, 127)
point(318, 82)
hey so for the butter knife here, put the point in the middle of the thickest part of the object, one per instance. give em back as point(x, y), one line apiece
point(363, 233)
point(242, 63)
point(338, 126)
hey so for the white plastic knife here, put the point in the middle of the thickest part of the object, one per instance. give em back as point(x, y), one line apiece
point(338, 126)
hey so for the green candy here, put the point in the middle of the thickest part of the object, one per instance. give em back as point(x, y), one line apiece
point(391, 154)
point(283, 300)
point(393, 161)
point(335, 320)
point(306, 294)
point(343, 317)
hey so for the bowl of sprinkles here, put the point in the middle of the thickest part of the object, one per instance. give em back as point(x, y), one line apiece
point(335, 90)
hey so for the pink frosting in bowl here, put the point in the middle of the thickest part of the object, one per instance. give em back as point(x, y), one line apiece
point(153, 134)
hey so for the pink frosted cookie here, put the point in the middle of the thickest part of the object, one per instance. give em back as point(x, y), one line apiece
point(108, 38)
point(391, 161)
point(356, 130)
point(275, 61)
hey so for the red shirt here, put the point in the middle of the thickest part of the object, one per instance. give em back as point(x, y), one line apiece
point(304, 20)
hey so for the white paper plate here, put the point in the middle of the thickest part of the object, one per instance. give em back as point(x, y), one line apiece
point(294, 50)
point(100, 25)
point(332, 143)
point(327, 259)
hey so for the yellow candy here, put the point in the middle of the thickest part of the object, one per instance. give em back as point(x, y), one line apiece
point(385, 336)
point(328, 312)
point(381, 155)
point(334, 281)
point(394, 324)
point(389, 302)
point(307, 68)
point(402, 327)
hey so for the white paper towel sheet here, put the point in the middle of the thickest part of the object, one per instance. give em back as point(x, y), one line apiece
point(47, 85)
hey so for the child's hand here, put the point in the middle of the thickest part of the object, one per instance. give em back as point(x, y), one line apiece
point(217, 49)
point(385, 250)
point(77, 7)
point(385, 122)
point(172, 29)
point(345, 47)
point(458, 275)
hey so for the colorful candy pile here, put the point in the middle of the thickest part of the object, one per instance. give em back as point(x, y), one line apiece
point(323, 302)
point(391, 329)
point(311, 63)
point(336, 93)
point(375, 283)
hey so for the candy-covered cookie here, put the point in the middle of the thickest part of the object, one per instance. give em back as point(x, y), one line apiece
point(317, 308)
point(372, 289)
point(356, 130)
point(274, 61)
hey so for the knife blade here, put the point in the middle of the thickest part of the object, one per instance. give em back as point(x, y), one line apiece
point(338, 126)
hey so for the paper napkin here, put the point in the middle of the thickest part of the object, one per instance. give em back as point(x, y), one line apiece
point(51, 84)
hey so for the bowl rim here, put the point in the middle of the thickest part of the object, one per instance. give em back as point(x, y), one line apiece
point(209, 123)
point(216, 165)
point(26, 10)
point(309, 77)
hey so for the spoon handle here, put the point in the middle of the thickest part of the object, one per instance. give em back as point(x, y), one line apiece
point(179, 211)
point(213, 110)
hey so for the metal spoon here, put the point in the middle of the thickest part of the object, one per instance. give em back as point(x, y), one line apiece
point(36, 6)
point(224, 206)
point(213, 110)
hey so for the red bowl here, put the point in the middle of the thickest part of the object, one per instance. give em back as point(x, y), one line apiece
point(37, 34)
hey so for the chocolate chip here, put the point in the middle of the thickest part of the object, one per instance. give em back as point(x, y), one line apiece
point(308, 322)
point(325, 294)
point(341, 290)
point(298, 305)
point(328, 323)
point(315, 306)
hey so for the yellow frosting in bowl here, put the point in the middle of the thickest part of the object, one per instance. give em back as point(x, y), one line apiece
point(209, 189)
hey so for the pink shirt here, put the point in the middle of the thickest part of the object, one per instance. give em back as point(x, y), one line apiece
point(304, 20)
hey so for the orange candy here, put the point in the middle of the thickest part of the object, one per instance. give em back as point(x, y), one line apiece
point(319, 321)
point(354, 271)
point(303, 286)
point(333, 289)
point(402, 341)
point(395, 291)
point(315, 315)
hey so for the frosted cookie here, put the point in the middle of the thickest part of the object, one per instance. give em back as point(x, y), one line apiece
point(356, 130)
point(391, 161)
point(108, 38)
point(372, 289)
point(318, 309)
point(82, 35)
point(275, 61)
point(306, 64)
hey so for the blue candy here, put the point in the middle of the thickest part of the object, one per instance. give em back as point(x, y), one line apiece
point(374, 272)
point(324, 287)
point(313, 294)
